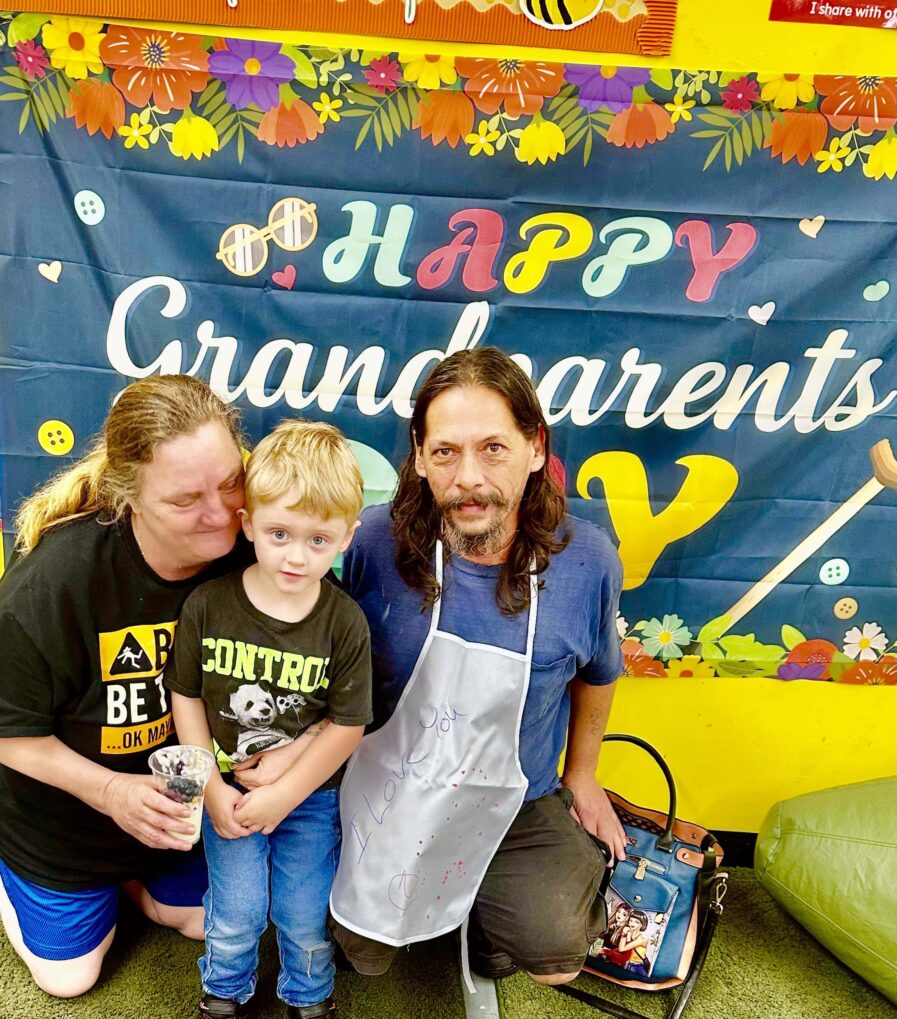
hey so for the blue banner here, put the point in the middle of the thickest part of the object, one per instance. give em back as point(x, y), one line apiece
point(696, 269)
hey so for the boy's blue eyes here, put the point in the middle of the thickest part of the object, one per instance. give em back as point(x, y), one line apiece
point(319, 541)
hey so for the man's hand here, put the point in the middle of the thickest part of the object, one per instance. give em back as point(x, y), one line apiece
point(138, 808)
point(221, 800)
point(591, 808)
point(263, 809)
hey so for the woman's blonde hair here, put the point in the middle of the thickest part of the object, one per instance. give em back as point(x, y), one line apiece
point(312, 460)
point(108, 476)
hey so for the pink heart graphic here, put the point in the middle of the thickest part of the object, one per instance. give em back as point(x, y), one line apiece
point(285, 279)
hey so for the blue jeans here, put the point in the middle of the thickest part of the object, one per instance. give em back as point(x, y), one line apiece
point(289, 873)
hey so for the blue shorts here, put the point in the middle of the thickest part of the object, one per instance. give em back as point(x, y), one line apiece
point(66, 925)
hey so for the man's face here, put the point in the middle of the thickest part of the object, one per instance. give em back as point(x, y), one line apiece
point(477, 463)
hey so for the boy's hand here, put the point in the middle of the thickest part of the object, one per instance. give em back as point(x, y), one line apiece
point(263, 809)
point(265, 768)
point(268, 766)
point(221, 800)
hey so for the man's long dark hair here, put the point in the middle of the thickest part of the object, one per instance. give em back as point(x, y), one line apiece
point(417, 521)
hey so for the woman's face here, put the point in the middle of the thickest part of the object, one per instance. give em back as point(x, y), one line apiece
point(186, 513)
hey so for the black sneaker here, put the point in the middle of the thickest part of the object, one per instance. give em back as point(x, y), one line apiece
point(211, 1007)
point(485, 960)
point(323, 1008)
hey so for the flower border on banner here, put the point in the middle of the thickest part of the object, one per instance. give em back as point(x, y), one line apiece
point(196, 95)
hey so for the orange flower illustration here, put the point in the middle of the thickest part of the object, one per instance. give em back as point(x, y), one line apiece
point(640, 125)
point(636, 662)
point(97, 105)
point(797, 135)
point(522, 85)
point(445, 116)
point(880, 673)
point(289, 124)
point(869, 101)
point(165, 67)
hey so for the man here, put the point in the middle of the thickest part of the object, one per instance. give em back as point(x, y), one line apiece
point(492, 618)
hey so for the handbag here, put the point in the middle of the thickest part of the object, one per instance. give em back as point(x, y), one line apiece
point(663, 902)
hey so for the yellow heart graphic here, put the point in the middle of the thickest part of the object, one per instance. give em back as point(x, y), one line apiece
point(811, 227)
point(51, 270)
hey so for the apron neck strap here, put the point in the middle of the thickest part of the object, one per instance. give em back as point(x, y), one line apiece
point(533, 601)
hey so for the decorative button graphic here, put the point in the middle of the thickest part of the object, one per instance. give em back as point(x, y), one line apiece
point(835, 571)
point(846, 608)
point(89, 207)
point(292, 225)
point(55, 438)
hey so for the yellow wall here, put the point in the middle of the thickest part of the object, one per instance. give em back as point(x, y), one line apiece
point(736, 746)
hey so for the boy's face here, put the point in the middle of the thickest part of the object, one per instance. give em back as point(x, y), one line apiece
point(294, 549)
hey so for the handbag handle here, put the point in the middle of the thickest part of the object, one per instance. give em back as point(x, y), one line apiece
point(666, 840)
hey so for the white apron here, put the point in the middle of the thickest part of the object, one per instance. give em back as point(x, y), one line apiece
point(427, 799)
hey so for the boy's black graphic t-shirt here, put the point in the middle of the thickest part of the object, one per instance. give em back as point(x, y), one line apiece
point(263, 680)
point(86, 628)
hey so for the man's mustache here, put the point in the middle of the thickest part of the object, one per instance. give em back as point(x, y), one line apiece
point(476, 500)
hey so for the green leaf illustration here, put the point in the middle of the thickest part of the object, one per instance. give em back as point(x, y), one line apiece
point(305, 69)
point(25, 26)
point(839, 663)
point(712, 630)
point(791, 636)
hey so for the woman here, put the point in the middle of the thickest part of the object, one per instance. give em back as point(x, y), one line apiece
point(110, 549)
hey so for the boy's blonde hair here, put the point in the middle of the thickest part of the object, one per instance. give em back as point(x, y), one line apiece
point(311, 459)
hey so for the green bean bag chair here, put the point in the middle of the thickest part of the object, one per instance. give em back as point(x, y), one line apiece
point(830, 858)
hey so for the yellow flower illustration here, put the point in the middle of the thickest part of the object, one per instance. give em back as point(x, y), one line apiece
point(428, 70)
point(882, 160)
point(328, 109)
point(679, 108)
point(74, 45)
point(134, 133)
point(481, 140)
point(542, 140)
point(690, 666)
point(193, 136)
point(785, 90)
point(831, 158)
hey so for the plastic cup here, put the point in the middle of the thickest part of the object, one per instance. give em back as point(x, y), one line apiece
point(181, 773)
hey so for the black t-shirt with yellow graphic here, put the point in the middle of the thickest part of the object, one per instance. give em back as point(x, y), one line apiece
point(86, 628)
point(264, 681)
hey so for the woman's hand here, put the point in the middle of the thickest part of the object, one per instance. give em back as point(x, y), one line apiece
point(138, 808)
point(220, 801)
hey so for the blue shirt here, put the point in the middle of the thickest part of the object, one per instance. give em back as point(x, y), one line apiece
point(576, 633)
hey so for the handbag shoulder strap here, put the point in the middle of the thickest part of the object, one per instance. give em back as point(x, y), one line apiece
point(666, 842)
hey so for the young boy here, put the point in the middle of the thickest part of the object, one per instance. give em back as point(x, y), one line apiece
point(264, 661)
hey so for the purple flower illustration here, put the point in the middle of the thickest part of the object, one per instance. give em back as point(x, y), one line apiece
point(605, 86)
point(251, 72)
point(800, 670)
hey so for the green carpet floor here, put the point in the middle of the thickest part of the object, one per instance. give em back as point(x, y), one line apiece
point(151, 973)
point(762, 965)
